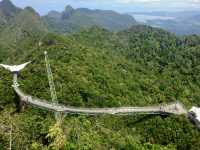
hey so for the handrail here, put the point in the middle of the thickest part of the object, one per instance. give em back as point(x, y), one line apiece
point(174, 108)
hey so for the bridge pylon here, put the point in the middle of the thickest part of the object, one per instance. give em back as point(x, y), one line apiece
point(52, 85)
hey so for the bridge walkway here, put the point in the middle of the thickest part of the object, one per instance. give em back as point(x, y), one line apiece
point(174, 108)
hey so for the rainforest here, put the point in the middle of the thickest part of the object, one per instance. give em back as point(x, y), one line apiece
point(96, 66)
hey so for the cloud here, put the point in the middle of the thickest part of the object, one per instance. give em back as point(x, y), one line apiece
point(195, 1)
point(157, 1)
point(138, 1)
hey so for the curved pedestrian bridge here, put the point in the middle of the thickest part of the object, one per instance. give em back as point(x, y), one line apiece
point(173, 108)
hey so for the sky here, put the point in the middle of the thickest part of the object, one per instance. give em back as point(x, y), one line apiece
point(123, 6)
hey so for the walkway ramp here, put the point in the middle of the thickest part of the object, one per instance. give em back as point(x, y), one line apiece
point(174, 108)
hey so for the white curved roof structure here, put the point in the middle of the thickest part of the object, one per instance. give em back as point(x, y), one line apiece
point(196, 111)
point(15, 68)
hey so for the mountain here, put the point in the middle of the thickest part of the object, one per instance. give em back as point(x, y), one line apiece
point(71, 20)
point(7, 12)
point(25, 27)
point(28, 20)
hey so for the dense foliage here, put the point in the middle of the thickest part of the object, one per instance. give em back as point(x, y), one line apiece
point(139, 66)
point(97, 68)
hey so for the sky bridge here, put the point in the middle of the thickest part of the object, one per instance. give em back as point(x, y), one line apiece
point(173, 108)
point(166, 109)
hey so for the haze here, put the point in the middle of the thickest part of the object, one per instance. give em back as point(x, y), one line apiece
point(118, 5)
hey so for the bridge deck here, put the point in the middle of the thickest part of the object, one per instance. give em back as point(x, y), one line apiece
point(174, 108)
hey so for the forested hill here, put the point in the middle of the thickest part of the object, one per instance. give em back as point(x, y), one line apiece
point(139, 66)
point(20, 29)
point(72, 20)
point(7, 12)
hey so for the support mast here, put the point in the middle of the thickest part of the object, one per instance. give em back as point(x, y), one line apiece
point(51, 84)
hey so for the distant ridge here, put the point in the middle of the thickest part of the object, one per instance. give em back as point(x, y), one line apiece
point(68, 21)
point(72, 20)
